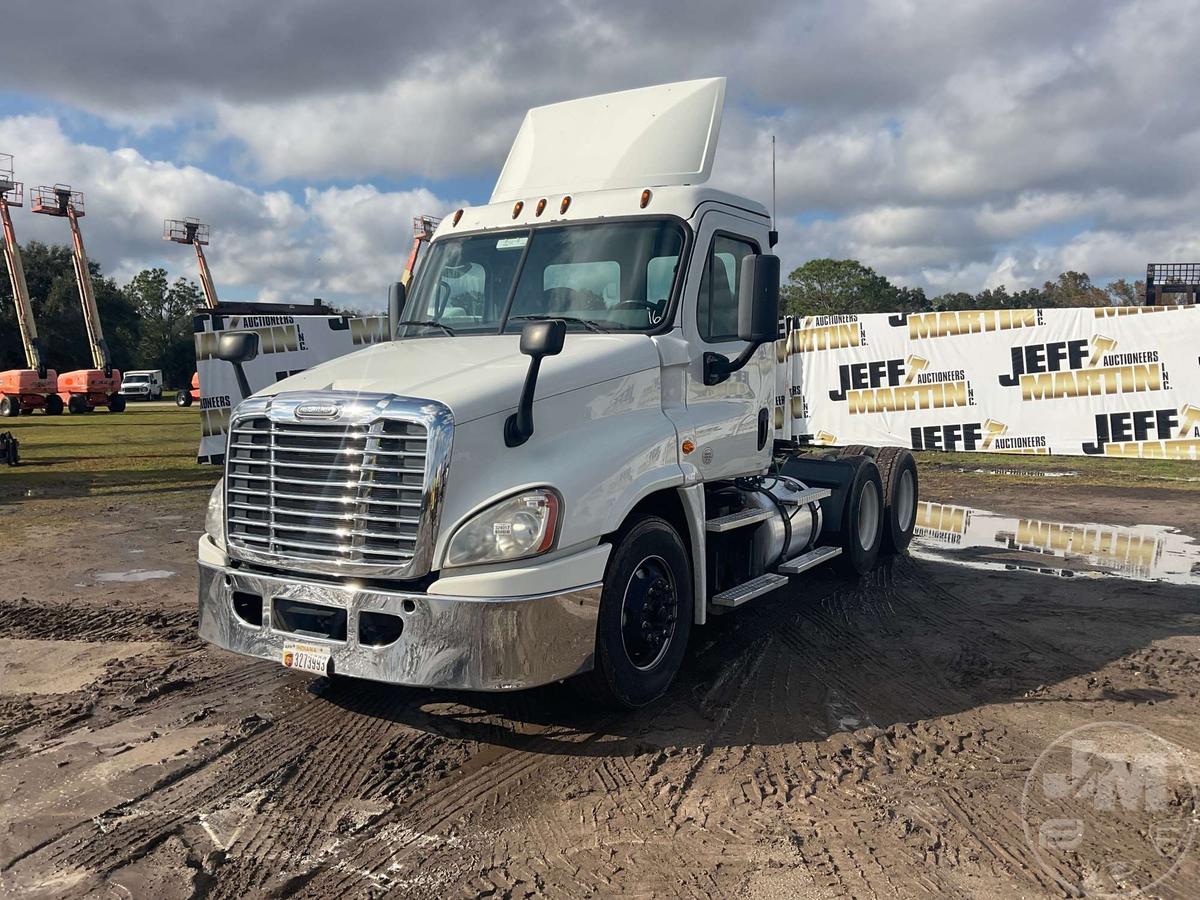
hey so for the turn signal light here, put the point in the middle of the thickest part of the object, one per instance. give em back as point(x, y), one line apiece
point(517, 207)
point(457, 216)
point(646, 195)
point(562, 207)
point(687, 447)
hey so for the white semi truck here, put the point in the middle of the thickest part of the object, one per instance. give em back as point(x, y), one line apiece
point(565, 460)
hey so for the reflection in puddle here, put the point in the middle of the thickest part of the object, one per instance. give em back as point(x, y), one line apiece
point(987, 540)
point(135, 575)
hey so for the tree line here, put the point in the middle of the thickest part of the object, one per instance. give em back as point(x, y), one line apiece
point(840, 286)
point(147, 322)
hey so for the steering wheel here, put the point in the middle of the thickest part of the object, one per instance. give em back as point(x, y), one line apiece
point(654, 309)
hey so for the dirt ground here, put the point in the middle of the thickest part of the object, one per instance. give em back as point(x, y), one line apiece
point(867, 739)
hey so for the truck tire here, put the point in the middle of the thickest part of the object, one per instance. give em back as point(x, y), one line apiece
point(54, 405)
point(848, 512)
point(861, 531)
point(77, 404)
point(183, 398)
point(646, 609)
point(9, 407)
point(116, 403)
point(898, 471)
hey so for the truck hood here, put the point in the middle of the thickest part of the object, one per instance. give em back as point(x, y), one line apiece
point(475, 375)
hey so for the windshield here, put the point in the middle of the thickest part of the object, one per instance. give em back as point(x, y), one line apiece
point(135, 379)
point(611, 276)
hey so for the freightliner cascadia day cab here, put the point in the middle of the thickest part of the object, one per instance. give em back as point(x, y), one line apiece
point(564, 461)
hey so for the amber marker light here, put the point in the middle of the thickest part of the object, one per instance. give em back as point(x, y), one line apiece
point(457, 216)
point(541, 207)
point(517, 207)
point(646, 195)
point(566, 203)
point(687, 447)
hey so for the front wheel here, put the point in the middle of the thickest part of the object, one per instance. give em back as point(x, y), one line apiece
point(645, 618)
point(183, 398)
point(116, 403)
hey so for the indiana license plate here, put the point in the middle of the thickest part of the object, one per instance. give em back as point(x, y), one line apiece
point(306, 657)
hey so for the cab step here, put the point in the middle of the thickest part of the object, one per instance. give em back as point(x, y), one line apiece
point(738, 520)
point(755, 587)
point(808, 560)
point(806, 496)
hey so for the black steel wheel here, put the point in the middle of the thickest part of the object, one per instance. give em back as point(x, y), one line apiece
point(645, 618)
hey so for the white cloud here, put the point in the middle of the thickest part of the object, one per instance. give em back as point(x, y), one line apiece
point(340, 243)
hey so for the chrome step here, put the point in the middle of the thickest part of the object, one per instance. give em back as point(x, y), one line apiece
point(808, 560)
point(738, 520)
point(756, 587)
point(806, 496)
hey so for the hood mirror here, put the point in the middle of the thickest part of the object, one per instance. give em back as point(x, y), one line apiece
point(538, 340)
point(238, 348)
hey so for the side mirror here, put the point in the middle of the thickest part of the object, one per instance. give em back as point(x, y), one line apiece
point(758, 299)
point(396, 295)
point(538, 340)
point(238, 347)
point(758, 315)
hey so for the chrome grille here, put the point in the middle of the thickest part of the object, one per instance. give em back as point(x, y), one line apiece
point(338, 496)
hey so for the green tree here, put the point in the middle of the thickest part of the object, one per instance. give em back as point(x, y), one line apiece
point(165, 310)
point(839, 286)
point(1073, 289)
point(1124, 293)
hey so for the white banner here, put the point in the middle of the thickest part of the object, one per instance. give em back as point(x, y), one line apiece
point(1111, 381)
point(287, 345)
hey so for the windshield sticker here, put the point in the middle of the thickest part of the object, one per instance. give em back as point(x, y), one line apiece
point(512, 243)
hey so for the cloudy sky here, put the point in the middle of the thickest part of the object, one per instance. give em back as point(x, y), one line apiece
point(951, 145)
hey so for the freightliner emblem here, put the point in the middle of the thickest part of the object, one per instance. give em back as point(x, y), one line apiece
point(318, 411)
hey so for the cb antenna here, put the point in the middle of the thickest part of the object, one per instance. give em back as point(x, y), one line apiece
point(773, 235)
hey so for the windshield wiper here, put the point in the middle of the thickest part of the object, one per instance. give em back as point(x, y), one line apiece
point(429, 324)
point(586, 323)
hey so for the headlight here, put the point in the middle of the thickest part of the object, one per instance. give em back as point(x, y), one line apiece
point(515, 528)
point(214, 518)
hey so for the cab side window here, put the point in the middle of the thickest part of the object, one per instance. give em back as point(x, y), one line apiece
point(716, 309)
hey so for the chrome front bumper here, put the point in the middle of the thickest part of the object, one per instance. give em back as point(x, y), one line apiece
point(470, 643)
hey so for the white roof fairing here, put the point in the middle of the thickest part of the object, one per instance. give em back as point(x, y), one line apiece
point(648, 137)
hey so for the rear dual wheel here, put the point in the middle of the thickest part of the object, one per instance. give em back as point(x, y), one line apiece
point(898, 477)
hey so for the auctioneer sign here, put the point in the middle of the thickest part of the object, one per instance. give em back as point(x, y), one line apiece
point(287, 344)
point(1111, 381)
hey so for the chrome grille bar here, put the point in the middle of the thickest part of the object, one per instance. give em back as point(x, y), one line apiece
point(356, 494)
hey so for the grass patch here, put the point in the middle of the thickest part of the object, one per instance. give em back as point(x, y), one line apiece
point(137, 452)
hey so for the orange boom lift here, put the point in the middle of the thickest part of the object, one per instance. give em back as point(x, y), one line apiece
point(22, 390)
point(423, 229)
point(84, 389)
point(194, 232)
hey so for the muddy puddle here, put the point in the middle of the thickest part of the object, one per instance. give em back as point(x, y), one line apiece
point(134, 575)
point(981, 539)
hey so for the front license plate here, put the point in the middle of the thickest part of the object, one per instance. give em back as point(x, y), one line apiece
point(306, 657)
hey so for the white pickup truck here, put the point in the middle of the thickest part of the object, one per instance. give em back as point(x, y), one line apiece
point(142, 384)
point(565, 460)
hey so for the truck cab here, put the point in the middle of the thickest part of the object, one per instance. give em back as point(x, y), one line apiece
point(564, 460)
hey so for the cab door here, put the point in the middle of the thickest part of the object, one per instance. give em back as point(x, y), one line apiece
point(731, 421)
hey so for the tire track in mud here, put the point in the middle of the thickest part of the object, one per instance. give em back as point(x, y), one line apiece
point(27, 619)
